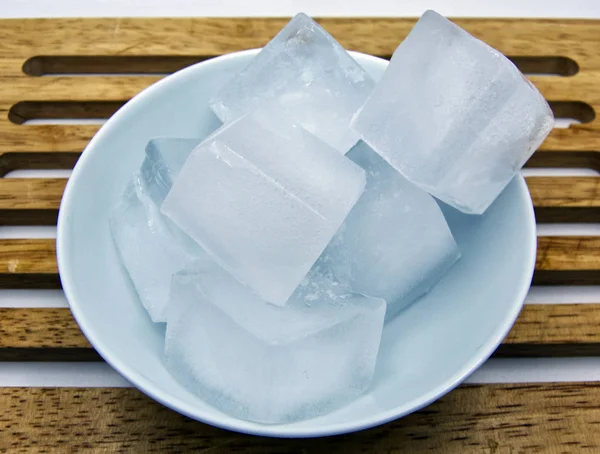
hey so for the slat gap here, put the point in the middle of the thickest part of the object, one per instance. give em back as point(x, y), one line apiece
point(25, 111)
point(11, 161)
point(546, 66)
point(569, 159)
point(567, 111)
point(49, 65)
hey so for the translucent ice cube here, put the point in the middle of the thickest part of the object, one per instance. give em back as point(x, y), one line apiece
point(150, 246)
point(311, 76)
point(165, 157)
point(265, 363)
point(454, 115)
point(264, 197)
point(395, 244)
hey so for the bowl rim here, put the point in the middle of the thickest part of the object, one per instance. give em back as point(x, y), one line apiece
point(217, 418)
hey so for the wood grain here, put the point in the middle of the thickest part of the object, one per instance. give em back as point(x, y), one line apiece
point(45, 334)
point(554, 330)
point(560, 260)
point(492, 419)
point(27, 263)
point(128, 47)
point(567, 260)
point(565, 199)
point(25, 201)
point(129, 55)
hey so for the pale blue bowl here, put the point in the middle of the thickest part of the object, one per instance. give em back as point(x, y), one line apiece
point(427, 351)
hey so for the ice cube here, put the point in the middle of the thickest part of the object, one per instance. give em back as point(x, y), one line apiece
point(265, 363)
point(264, 197)
point(454, 115)
point(395, 244)
point(150, 246)
point(165, 157)
point(309, 74)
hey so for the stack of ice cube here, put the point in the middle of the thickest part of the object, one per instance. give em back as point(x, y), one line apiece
point(275, 248)
point(264, 197)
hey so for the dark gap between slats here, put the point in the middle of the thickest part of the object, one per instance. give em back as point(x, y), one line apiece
point(23, 111)
point(573, 110)
point(47, 65)
point(568, 159)
point(541, 277)
point(540, 66)
point(552, 215)
point(28, 217)
point(30, 110)
point(503, 351)
point(108, 65)
point(582, 215)
point(550, 66)
point(547, 350)
point(36, 160)
point(20, 281)
point(49, 354)
point(67, 160)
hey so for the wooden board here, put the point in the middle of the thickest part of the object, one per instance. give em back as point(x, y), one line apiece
point(52, 69)
point(489, 419)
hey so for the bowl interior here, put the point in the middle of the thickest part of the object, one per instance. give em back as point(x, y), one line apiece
point(426, 351)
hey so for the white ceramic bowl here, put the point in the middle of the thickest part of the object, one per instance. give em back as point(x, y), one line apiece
point(425, 352)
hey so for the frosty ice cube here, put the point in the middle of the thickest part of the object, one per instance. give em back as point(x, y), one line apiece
point(165, 157)
point(395, 244)
point(454, 115)
point(310, 75)
point(265, 363)
point(264, 197)
point(151, 248)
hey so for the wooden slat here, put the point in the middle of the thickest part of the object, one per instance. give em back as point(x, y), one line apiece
point(30, 201)
point(28, 263)
point(567, 260)
point(554, 330)
point(70, 88)
point(43, 334)
point(124, 87)
point(565, 199)
point(498, 419)
point(36, 138)
point(555, 158)
point(541, 330)
point(575, 199)
point(561, 260)
point(214, 36)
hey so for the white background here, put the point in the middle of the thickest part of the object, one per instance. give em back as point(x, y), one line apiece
point(495, 370)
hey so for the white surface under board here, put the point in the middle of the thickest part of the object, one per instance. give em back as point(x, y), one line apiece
point(239, 8)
